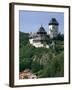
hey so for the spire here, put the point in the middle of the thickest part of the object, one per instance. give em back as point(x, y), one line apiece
point(41, 25)
point(41, 30)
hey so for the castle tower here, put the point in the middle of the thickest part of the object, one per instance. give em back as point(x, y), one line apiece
point(41, 34)
point(53, 28)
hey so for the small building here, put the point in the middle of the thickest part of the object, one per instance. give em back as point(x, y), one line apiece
point(38, 39)
point(32, 76)
point(53, 28)
point(27, 74)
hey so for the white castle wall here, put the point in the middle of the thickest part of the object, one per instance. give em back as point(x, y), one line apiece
point(38, 44)
point(31, 41)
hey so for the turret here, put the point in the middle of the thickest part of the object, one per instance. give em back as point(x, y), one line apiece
point(53, 28)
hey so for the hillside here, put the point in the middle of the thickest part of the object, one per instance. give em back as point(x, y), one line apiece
point(42, 62)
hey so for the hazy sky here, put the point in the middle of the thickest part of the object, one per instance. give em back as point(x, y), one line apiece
point(31, 21)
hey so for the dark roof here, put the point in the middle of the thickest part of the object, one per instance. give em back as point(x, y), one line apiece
point(53, 21)
point(41, 30)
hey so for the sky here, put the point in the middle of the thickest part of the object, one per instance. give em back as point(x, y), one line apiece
point(30, 21)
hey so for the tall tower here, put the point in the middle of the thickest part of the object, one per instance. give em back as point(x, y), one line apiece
point(53, 28)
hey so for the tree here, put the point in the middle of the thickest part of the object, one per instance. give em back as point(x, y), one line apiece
point(25, 63)
point(55, 68)
point(36, 66)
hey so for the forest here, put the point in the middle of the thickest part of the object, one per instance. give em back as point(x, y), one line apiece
point(43, 62)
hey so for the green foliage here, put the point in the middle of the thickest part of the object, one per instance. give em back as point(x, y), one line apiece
point(42, 61)
point(55, 68)
point(25, 63)
point(35, 66)
point(23, 39)
point(59, 37)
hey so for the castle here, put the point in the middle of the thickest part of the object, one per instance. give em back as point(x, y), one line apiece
point(38, 39)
